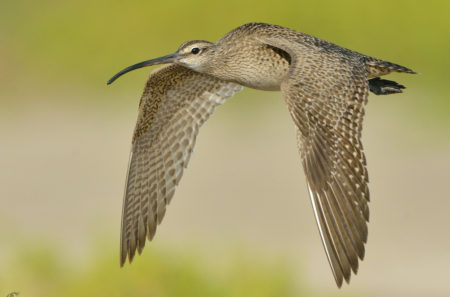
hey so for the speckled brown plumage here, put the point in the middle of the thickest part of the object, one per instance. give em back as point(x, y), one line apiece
point(325, 88)
point(175, 103)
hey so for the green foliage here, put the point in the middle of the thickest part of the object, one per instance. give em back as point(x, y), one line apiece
point(37, 271)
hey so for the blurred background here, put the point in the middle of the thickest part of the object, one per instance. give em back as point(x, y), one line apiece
point(241, 223)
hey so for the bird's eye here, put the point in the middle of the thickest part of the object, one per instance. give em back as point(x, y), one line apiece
point(195, 50)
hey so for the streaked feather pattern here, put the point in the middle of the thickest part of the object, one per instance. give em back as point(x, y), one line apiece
point(327, 107)
point(325, 87)
point(175, 103)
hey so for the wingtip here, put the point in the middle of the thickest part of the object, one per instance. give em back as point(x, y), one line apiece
point(338, 281)
point(122, 260)
point(347, 278)
point(362, 253)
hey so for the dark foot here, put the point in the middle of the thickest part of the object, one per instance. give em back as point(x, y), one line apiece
point(384, 87)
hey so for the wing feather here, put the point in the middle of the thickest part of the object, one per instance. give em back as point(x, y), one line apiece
point(175, 103)
point(325, 90)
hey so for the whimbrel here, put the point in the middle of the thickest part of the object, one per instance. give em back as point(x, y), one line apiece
point(325, 88)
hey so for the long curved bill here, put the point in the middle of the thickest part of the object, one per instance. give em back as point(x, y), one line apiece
point(161, 60)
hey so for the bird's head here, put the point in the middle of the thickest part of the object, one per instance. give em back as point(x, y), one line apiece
point(192, 54)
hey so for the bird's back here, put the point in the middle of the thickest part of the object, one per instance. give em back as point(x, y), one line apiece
point(264, 66)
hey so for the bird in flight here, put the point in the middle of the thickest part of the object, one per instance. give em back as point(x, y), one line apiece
point(325, 87)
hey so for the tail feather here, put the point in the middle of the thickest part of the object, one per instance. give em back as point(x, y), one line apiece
point(377, 67)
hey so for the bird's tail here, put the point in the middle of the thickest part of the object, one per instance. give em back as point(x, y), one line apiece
point(376, 67)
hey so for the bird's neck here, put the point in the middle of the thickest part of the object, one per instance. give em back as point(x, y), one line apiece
point(255, 66)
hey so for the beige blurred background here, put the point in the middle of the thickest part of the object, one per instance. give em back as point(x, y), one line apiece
point(65, 138)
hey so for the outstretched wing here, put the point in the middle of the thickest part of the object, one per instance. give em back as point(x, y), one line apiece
point(326, 89)
point(326, 98)
point(176, 101)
